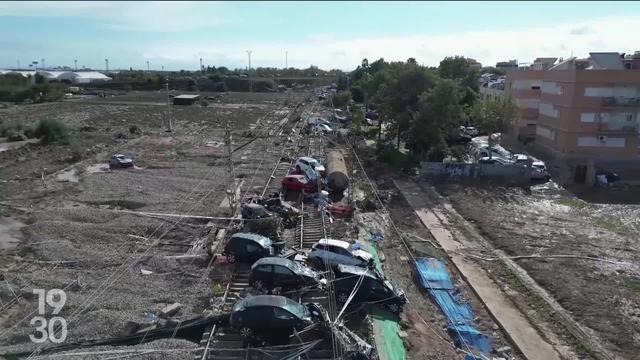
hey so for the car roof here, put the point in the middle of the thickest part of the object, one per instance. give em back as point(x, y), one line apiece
point(273, 261)
point(356, 270)
point(262, 240)
point(296, 176)
point(334, 242)
point(265, 300)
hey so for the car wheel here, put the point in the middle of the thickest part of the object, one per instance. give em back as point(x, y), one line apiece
point(342, 297)
point(246, 332)
point(394, 308)
point(231, 258)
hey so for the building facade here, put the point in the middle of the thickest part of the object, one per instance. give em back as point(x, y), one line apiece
point(580, 108)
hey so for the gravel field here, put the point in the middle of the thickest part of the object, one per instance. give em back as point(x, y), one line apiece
point(75, 234)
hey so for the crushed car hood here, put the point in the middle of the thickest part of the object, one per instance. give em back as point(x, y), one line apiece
point(362, 254)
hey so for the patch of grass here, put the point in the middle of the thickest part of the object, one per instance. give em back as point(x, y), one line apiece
point(611, 223)
point(634, 285)
point(51, 131)
point(572, 202)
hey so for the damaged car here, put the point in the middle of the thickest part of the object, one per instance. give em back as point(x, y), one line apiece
point(120, 161)
point(250, 247)
point(276, 274)
point(373, 288)
point(333, 252)
point(254, 211)
point(261, 315)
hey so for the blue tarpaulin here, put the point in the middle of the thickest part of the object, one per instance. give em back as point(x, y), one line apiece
point(435, 279)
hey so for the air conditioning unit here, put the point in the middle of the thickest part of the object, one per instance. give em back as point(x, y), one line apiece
point(602, 138)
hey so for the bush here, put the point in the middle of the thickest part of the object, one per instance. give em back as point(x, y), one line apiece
point(134, 129)
point(340, 99)
point(357, 94)
point(371, 132)
point(220, 87)
point(50, 131)
point(76, 152)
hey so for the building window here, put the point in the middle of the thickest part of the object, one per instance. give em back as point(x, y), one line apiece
point(598, 91)
point(546, 133)
point(628, 117)
point(600, 141)
point(587, 117)
point(548, 110)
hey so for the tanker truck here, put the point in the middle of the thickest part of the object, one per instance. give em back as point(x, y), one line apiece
point(337, 180)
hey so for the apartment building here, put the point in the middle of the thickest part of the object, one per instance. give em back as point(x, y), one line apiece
point(523, 86)
point(581, 108)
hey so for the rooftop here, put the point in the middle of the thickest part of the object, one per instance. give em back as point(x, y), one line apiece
point(187, 96)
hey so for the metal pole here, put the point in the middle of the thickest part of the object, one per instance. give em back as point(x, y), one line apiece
point(148, 66)
point(42, 64)
point(201, 68)
point(168, 106)
point(249, 71)
point(286, 59)
point(75, 64)
point(18, 64)
point(106, 61)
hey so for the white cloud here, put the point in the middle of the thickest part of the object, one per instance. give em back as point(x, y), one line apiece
point(488, 47)
point(130, 16)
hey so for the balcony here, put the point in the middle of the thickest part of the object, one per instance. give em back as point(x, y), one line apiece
point(621, 101)
point(618, 127)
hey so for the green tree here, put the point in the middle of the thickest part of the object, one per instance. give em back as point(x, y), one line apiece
point(461, 69)
point(437, 120)
point(494, 115)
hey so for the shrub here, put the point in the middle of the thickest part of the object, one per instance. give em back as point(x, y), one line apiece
point(134, 129)
point(50, 131)
point(76, 152)
point(371, 132)
point(340, 99)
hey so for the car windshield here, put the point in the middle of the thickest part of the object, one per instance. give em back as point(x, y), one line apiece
point(298, 310)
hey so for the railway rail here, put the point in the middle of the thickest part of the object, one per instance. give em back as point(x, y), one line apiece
point(227, 344)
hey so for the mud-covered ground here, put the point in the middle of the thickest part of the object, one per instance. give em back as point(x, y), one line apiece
point(421, 319)
point(64, 222)
point(603, 294)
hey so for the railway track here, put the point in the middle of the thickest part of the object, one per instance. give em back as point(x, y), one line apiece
point(227, 344)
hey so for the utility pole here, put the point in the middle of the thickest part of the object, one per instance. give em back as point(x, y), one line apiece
point(42, 64)
point(168, 105)
point(231, 189)
point(75, 64)
point(201, 67)
point(106, 61)
point(249, 71)
point(148, 67)
point(286, 59)
point(18, 64)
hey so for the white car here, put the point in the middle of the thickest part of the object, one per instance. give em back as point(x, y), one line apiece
point(494, 161)
point(315, 120)
point(323, 128)
point(304, 163)
point(539, 171)
point(334, 252)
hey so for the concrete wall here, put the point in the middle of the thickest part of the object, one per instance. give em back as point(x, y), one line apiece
point(510, 174)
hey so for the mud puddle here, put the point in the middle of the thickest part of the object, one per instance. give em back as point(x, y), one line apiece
point(10, 234)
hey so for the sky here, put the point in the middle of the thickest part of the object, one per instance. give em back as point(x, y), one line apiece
point(326, 34)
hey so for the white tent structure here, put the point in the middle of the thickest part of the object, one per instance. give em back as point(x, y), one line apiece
point(86, 77)
point(79, 77)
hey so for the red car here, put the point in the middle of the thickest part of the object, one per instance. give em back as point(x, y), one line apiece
point(297, 182)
